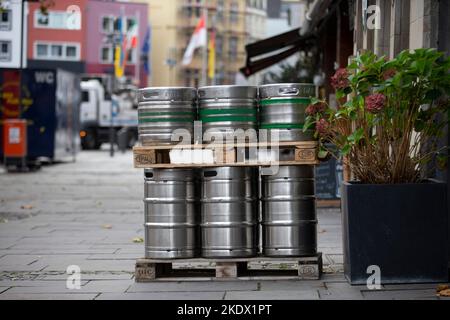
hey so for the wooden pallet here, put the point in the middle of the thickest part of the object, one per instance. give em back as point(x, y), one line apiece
point(305, 268)
point(157, 156)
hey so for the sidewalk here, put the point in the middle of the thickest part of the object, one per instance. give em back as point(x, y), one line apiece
point(88, 213)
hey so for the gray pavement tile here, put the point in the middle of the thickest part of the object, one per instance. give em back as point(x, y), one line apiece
point(162, 296)
point(91, 276)
point(60, 283)
point(341, 291)
point(94, 265)
point(288, 285)
point(414, 286)
point(48, 296)
point(400, 294)
point(201, 286)
point(3, 288)
point(273, 295)
point(114, 286)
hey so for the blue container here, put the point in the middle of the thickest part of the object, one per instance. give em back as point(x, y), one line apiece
point(50, 103)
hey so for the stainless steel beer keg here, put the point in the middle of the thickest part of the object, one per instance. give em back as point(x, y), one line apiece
point(163, 110)
point(289, 223)
point(282, 109)
point(224, 109)
point(170, 214)
point(229, 212)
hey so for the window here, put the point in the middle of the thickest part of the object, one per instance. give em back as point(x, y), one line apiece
point(233, 47)
point(5, 50)
point(106, 55)
point(130, 23)
point(5, 20)
point(58, 20)
point(85, 96)
point(131, 56)
point(234, 12)
point(57, 51)
point(107, 24)
point(220, 9)
point(42, 50)
point(219, 45)
point(71, 51)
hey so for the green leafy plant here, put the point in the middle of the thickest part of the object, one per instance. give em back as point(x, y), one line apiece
point(390, 116)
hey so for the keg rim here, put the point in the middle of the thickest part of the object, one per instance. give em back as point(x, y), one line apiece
point(286, 84)
point(167, 88)
point(232, 86)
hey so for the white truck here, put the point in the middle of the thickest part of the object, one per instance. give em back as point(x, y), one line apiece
point(100, 110)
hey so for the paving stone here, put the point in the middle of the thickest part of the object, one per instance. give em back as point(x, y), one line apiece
point(341, 291)
point(288, 285)
point(400, 294)
point(48, 296)
point(203, 286)
point(92, 276)
point(115, 286)
point(272, 295)
point(59, 283)
point(162, 296)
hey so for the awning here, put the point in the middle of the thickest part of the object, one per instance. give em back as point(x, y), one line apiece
point(267, 52)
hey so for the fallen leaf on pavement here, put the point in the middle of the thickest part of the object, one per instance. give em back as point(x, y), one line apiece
point(26, 207)
point(442, 287)
point(138, 240)
point(444, 293)
point(107, 226)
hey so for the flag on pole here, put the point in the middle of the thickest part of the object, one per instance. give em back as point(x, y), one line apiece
point(119, 57)
point(131, 36)
point(212, 55)
point(146, 47)
point(198, 40)
point(130, 41)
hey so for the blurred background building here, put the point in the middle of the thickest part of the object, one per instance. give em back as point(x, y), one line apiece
point(83, 43)
point(235, 23)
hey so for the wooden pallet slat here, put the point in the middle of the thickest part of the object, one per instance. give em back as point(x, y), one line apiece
point(157, 156)
point(148, 270)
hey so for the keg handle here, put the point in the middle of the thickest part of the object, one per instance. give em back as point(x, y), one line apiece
point(149, 175)
point(287, 91)
point(210, 173)
point(150, 95)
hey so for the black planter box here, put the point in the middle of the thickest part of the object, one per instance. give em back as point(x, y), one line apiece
point(402, 228)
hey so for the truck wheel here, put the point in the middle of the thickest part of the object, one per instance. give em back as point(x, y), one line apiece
point(89, 142)
point(132, 139)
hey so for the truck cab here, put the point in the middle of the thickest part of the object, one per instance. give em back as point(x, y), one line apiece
point(100, 110)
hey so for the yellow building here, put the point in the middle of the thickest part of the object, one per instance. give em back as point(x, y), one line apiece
point(173, 22)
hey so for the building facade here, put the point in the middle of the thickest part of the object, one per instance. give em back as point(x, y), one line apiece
point(10, 34)
point(78, 36)
point(173, 22)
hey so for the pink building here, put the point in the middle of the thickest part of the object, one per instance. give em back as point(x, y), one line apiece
point(77, 36)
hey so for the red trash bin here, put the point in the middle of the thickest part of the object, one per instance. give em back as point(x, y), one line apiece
point(14, 138)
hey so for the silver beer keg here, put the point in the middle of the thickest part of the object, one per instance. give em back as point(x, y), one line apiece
point(163, 110)
point(289, 223)
point(282, 109)
point(170, 214)
point(229, 212)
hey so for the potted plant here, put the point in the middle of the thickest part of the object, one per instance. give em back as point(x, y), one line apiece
point(387, 126)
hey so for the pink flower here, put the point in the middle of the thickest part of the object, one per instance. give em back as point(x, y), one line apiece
point(340, 79)
point(390, 73)
point(322, 127)
point(375, 102)
point(313, 109)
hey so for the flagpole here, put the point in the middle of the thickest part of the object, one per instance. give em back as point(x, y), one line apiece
point(205, 48)
point(138, 53)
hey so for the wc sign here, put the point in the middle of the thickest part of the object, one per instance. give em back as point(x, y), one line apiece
point(45, 77)
point(371, 16)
